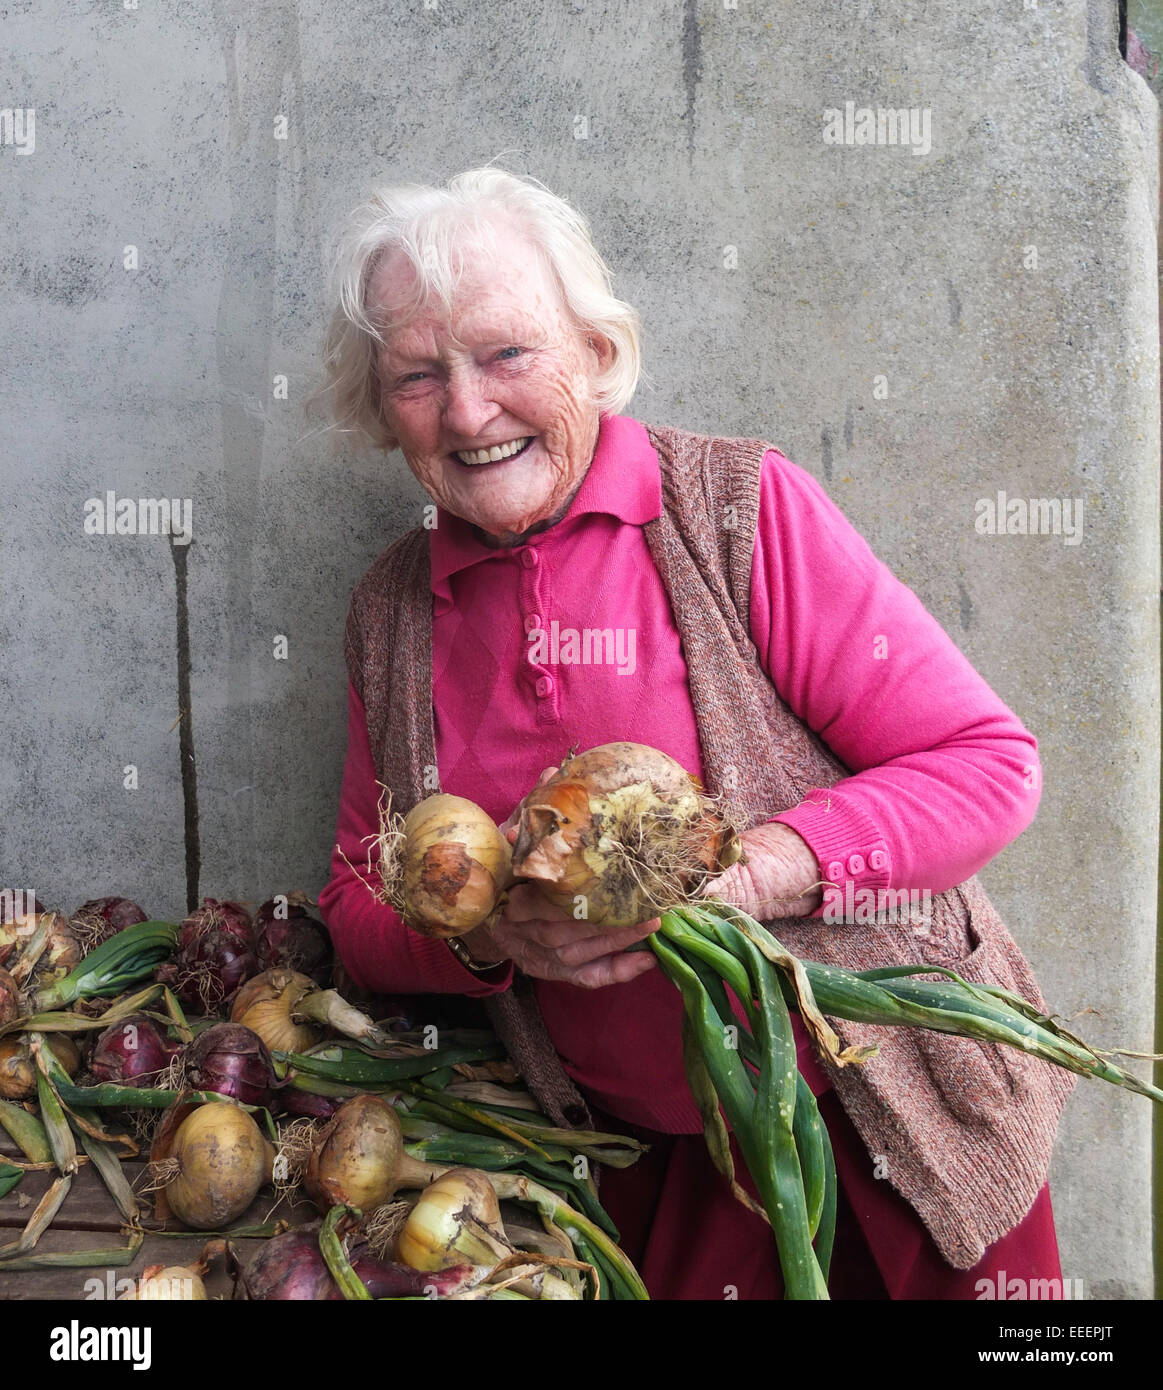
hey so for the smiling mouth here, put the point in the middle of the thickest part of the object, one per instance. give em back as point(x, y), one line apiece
point(495, 453)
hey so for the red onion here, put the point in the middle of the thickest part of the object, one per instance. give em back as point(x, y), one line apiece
point(287, 936)
point(100, 918)
point(233, 1061)
point(290, 1267)
point(131, 1053)
point(215, 954)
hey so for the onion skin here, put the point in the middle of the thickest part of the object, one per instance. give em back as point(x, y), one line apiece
point(264, 1005)
point(61, 953)
point(452, 1221)
point(223, 1160)
point(233, 1061)
point(132, 1053)
point(456, 864)
point(624, 827)
point(10, 1006)
point(357, 1156)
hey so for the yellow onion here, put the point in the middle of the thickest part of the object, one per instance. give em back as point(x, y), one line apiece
point(285, 1008)
point(359, 1159)
point(18, 1065)
point(456, 1221)
point(218, 1162)
point(265, 1005)
point(622, 831)
point(167, 1283)
point(448, 872)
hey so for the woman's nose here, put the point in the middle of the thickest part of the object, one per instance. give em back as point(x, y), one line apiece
point(468, 406)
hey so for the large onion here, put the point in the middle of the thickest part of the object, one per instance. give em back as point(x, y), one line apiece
point(359, 1158)
point(456, 1220)
point(284, 1007)
point(215, 954)
point(232, 1061)
point(445, 866)
point(621, 832)
point(218, 1161)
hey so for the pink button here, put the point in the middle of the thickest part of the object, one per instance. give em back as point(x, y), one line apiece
point(878, 859)
point(835, 871)
point(544, 687)
point(533, 622)
point(529, 559)
point(856, 864)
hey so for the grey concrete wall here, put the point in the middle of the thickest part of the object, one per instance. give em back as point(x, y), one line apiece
point(881, 317)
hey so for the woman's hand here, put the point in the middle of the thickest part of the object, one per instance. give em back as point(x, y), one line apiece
point(780, 878)
point(550, 944)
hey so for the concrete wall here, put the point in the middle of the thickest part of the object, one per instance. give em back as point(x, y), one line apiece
point(882, 317)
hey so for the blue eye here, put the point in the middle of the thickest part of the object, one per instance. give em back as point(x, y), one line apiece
point(505, 351)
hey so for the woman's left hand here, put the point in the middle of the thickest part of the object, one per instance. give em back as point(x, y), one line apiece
point(778, 877)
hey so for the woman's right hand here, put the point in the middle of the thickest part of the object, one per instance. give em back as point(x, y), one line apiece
point(550, 944)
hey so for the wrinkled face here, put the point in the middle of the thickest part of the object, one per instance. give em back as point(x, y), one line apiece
point(491, 404)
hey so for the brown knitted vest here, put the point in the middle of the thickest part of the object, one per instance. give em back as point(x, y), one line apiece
point(963, 1130)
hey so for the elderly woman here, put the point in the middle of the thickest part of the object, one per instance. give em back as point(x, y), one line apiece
point(757, 640)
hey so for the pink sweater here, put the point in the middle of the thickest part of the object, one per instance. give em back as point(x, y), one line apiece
point(944, 775)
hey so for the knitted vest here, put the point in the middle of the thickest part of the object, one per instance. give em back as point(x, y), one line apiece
point(963, 1130)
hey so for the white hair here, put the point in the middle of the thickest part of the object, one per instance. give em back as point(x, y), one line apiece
point(430, 226)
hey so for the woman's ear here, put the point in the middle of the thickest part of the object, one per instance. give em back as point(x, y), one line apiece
point(602, 348)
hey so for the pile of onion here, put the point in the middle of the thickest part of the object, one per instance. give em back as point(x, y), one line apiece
point(444, 866)
point(215, 954)
point(287, 935)
point(132, 1053)
point(100, 918)
point(623, 832)
point(209, 1164)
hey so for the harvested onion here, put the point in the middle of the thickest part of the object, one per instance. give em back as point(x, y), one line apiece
point(456, 1220)
point(621, 831)
point(444, 866)
point(39, 949)
point(216, 1165)
point(359, 1159)
point(231, 1060)
point(284, 1009)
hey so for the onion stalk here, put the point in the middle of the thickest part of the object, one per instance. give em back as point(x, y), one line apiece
point(112, 967)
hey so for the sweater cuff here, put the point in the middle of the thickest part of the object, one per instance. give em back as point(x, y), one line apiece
point(850, 848)
point(450, 977)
